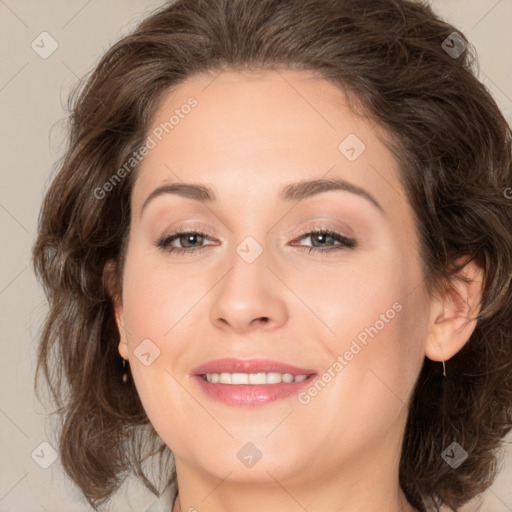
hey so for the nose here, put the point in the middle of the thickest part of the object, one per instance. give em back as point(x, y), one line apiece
point(249, 297)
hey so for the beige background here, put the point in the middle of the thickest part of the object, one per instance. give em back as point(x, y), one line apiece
point(33, 92)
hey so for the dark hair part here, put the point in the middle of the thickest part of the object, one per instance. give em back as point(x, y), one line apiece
point(454, 149)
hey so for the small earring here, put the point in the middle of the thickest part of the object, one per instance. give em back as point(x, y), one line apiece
point(125, 373)
point(444, 370)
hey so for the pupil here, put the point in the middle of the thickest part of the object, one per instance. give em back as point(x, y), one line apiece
point(321, 237)
point(190, 239)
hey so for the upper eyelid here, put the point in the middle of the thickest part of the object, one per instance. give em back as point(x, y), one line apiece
point(302, 234)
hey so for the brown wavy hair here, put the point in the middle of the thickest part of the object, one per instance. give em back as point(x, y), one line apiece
point(454, 150)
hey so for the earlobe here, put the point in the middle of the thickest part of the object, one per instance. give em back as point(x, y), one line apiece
point(453, 314)
point(118, 310)
point(123, 347)
point(112, 286)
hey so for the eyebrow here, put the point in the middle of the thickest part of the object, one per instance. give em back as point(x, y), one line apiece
point(293, 192)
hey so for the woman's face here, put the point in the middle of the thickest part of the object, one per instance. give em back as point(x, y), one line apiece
point(260, 294)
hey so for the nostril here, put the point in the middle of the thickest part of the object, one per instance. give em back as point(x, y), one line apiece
point(262, 320)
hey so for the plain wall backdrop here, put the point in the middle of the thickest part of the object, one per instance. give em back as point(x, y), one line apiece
point(33, 91)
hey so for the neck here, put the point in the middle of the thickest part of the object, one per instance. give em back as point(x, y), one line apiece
point(398, 505)
point(368, 482)
point(284, 501)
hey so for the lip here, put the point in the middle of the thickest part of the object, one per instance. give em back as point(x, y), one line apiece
point(231, 365)
point(247, 395)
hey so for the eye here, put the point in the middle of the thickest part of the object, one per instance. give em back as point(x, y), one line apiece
point(323, 240)
point(326, 238)
point(187, 238)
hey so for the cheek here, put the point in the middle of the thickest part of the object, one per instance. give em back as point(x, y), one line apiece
point(156, 297)
point(389, 347)
point(377, 323)
point(372, 369)
point(349, 298)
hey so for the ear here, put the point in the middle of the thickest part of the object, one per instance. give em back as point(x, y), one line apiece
point(112, 284)
point(453, 313)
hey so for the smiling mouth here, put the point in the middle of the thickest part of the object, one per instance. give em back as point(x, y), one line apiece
point(250, 382)
point(255, 379)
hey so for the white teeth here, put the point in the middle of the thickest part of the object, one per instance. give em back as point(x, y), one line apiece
point(287, 377)
point(257, 378)
point(239, 378)
point(225, 378)
point(253, 378)
point(274, 378)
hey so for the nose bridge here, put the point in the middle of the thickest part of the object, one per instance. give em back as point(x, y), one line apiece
point(249, 291)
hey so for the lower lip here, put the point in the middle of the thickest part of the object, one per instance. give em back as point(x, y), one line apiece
point(250, 395)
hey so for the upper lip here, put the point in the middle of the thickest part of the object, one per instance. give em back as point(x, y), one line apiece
point(232, 365)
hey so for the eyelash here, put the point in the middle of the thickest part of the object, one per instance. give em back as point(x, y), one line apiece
point(345, 242)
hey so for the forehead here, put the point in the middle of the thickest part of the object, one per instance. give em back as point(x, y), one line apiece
point(257, 130)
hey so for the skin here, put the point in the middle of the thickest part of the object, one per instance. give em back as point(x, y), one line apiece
point(249, 136)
